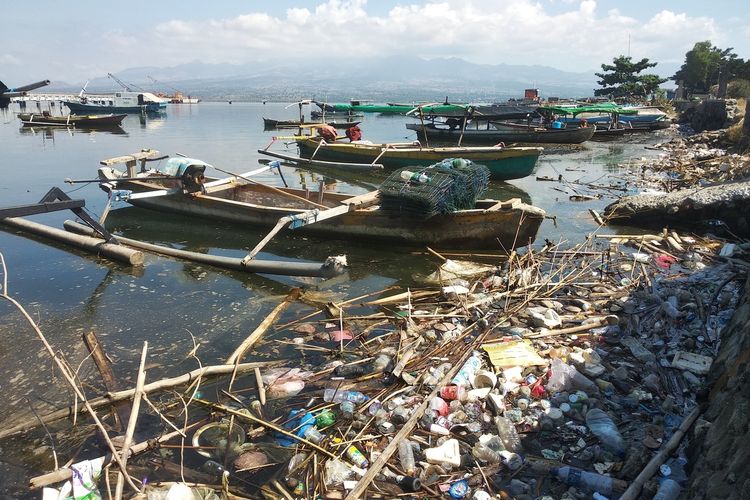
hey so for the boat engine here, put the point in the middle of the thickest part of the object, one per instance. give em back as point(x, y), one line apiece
point(190, 171)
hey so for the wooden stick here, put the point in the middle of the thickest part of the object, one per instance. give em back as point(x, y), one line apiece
point(111, 398)
point(264, 325)
point(140, 380)
point(261, 388)
point(105, 370)
point(66, 473)
point(635, 487)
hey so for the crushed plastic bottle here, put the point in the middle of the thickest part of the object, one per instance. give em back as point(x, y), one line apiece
point(418, 177)
point(589, 481)
point(508, 434)
point(332, 395)
point(605, 429)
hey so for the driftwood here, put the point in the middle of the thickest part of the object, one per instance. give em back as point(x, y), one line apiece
point(264, 325)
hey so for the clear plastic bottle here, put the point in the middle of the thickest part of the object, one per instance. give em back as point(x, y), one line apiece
point(466, 374)
point(485, 454)
point(406, 456)
point(335, 396)
point(313, 435)
point(213, 467)
point(508, 434)
point(589, 481)
point(605, 429)
point(347, 409)
point(419, 177)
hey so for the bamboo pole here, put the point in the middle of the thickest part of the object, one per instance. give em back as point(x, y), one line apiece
point(140, 380)
point(93, 245)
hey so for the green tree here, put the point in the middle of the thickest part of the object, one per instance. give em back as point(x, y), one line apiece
point(622, 78)
point(705, 62)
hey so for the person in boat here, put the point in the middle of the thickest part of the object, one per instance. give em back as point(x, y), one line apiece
point(453, 123)
point(327, 132)
point(354, 133)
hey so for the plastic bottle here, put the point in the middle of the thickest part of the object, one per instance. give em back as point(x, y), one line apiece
point(605, 429)
point(313, 435)
point(589, 481)
point(213, 467)
point(513, 461)
point(354, 455)
point(325, 418)
point(508, 434)
point(669, 489)
point(485, 454)
point(332, 395)
point(351, 371)
point(406, 456)
point(347, 409)
point(467, 372)
point(419, 177)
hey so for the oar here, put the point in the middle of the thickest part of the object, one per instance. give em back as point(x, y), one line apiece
point(312, 216)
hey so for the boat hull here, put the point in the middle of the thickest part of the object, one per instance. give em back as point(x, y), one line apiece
point(491, 225)
point(38, 119)
point(504, 133)
point(503, 163)
point(81, 108)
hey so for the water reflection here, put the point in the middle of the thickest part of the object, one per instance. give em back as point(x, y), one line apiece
point(48, 132)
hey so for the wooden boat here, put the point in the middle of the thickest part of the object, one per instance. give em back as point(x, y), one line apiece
point(391, 109)
point(270, 123)
point(505, 163)
point(333, 114)
point(119, 102)
point(46, 119)
point(502, 132)
point(490, 224)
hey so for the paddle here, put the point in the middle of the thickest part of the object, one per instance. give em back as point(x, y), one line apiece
point(313, 216)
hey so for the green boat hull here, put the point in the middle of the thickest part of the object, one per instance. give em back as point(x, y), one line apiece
point(504, 163)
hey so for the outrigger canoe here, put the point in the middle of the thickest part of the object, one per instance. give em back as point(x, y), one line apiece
point(505, 163)
point(271, 123)
point(490, 224)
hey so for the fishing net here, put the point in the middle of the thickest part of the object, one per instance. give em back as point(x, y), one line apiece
point(450, 185)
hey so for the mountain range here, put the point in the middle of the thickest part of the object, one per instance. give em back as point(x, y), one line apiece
point(405, 78)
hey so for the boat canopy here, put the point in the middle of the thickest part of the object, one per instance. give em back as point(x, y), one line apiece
point(594, 108)
point(486, 112)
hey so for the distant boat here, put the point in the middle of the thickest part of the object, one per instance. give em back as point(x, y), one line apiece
point(496, 132)
point(119, 102)
point(363, 106)
point(505, 163)
point(90, 121)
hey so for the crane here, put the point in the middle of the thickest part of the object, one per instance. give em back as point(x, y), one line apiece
point(128, 88)
point(162, 83)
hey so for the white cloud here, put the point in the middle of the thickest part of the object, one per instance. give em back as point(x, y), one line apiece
point(9, 59)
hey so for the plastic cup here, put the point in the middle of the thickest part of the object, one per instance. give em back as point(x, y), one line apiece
point(484, 379)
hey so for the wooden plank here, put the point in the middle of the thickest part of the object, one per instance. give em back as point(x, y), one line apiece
point(141, 155)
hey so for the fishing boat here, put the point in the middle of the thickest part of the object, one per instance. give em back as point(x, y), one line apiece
point(271, 124)
point(332, 114)
point(390, 109)
point(496, 132)
point(505, 163)
point(489, 224)
point(90, 121)
point(119, 102)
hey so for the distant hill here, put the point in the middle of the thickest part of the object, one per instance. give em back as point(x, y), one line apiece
point(380, 79)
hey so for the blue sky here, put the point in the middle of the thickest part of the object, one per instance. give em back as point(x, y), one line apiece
point(75, 40)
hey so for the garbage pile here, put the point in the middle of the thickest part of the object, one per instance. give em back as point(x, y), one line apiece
point(560, 374)
point(696, 160)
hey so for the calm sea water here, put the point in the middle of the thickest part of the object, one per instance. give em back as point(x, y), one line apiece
point(170, 302)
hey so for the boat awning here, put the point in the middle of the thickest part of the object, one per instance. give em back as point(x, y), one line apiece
point(596, 108)
point(489, 113)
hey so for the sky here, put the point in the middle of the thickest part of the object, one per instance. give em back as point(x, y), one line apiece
point(75, 40)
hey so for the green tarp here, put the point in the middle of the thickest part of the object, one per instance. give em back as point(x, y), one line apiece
point(594, 108)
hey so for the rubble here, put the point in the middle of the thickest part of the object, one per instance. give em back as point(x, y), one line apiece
point(559, 374)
